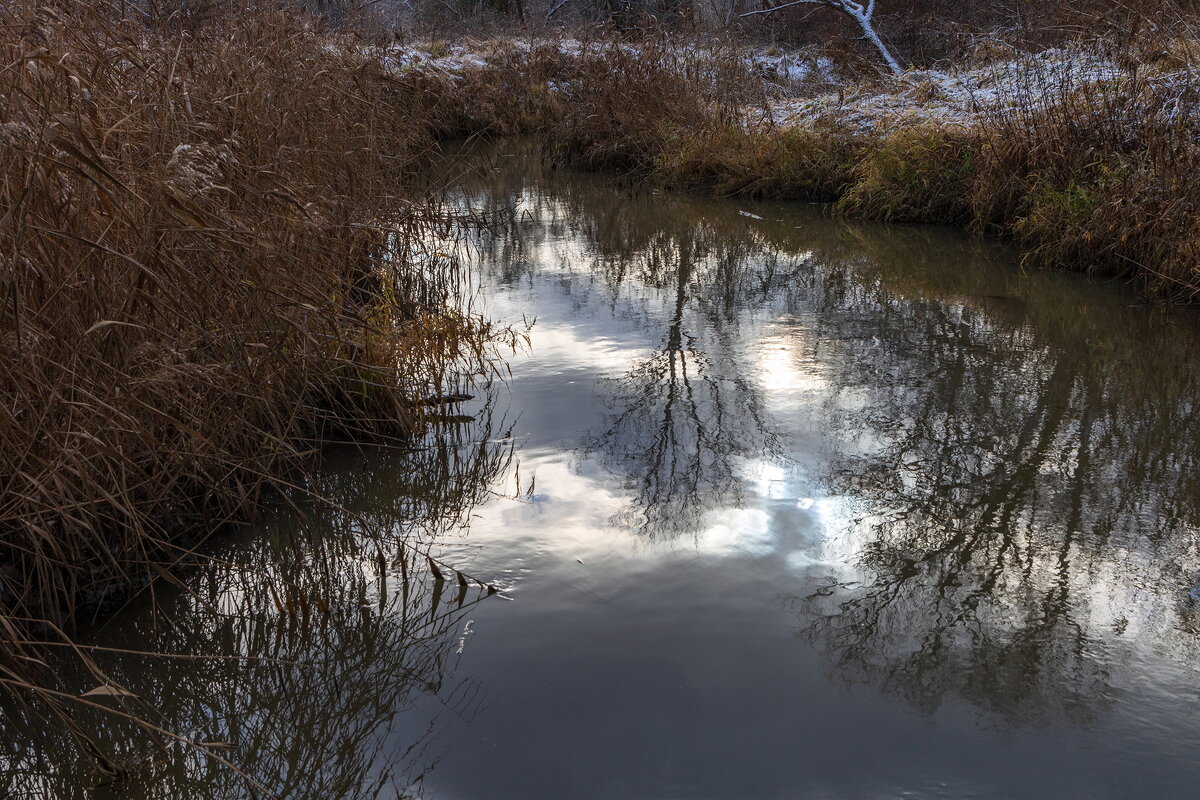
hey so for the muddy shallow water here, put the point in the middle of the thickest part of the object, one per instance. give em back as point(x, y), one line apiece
point(778, 506)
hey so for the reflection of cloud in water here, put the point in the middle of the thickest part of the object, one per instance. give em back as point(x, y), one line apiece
point(563, 347)
point(736, 532)
point(582, 505)
point(778, 529)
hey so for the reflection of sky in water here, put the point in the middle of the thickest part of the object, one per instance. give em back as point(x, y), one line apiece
point(581, 336)
point(817, 512)
point(576, 502)
point(808, 510)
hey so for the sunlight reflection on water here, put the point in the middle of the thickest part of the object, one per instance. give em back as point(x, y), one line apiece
point(827, 510)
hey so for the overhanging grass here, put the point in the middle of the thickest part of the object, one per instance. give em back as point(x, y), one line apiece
point(207, 266)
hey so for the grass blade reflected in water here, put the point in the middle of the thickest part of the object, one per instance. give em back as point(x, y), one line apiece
point(320, 653)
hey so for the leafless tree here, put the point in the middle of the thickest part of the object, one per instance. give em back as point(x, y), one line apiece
point(861, 13)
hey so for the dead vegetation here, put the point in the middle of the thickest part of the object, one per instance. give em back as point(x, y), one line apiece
point(211, 259)
point(1079, 157)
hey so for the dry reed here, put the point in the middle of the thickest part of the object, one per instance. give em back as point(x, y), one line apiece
point(208, 264)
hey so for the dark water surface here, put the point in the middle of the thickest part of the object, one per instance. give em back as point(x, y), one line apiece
point(779, 506)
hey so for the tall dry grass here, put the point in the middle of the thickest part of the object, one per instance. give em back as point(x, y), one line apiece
point(610, 103)
point(1082, 172)
point(210, 260)
point(1095, 173)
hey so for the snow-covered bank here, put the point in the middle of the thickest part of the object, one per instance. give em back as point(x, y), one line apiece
point(802, 88)
point(955, 97)
point(786, 71)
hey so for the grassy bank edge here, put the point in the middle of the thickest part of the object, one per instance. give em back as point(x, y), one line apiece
point(218, 249)
point(1081, 174)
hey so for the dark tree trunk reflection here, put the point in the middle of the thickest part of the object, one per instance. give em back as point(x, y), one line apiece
point(1015, 456)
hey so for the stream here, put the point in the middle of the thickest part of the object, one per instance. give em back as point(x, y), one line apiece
point(776, 505)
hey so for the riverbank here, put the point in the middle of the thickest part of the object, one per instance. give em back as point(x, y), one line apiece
point(215, 255)
point(1076, 154)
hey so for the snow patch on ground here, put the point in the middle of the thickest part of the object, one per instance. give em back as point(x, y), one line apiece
point(451, 61)
point(792, 69)
point(918, 97)
point(944, 97)
point(784, 69)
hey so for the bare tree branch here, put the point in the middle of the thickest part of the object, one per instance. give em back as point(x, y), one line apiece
point(859, 13)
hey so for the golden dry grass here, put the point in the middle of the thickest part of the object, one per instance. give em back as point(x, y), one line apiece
point(207, 265)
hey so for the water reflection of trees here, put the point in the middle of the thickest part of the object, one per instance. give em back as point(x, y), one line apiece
point(1029, 487)
point(321, 654)
point(685, 419)
point(1019, 450)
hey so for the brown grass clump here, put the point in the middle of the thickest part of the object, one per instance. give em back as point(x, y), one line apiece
point(624, 107)
point(608, 103)
point(810, 164)
point(204, 267)
point(515, 93)
point(1094, 175)
point(915, 174)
